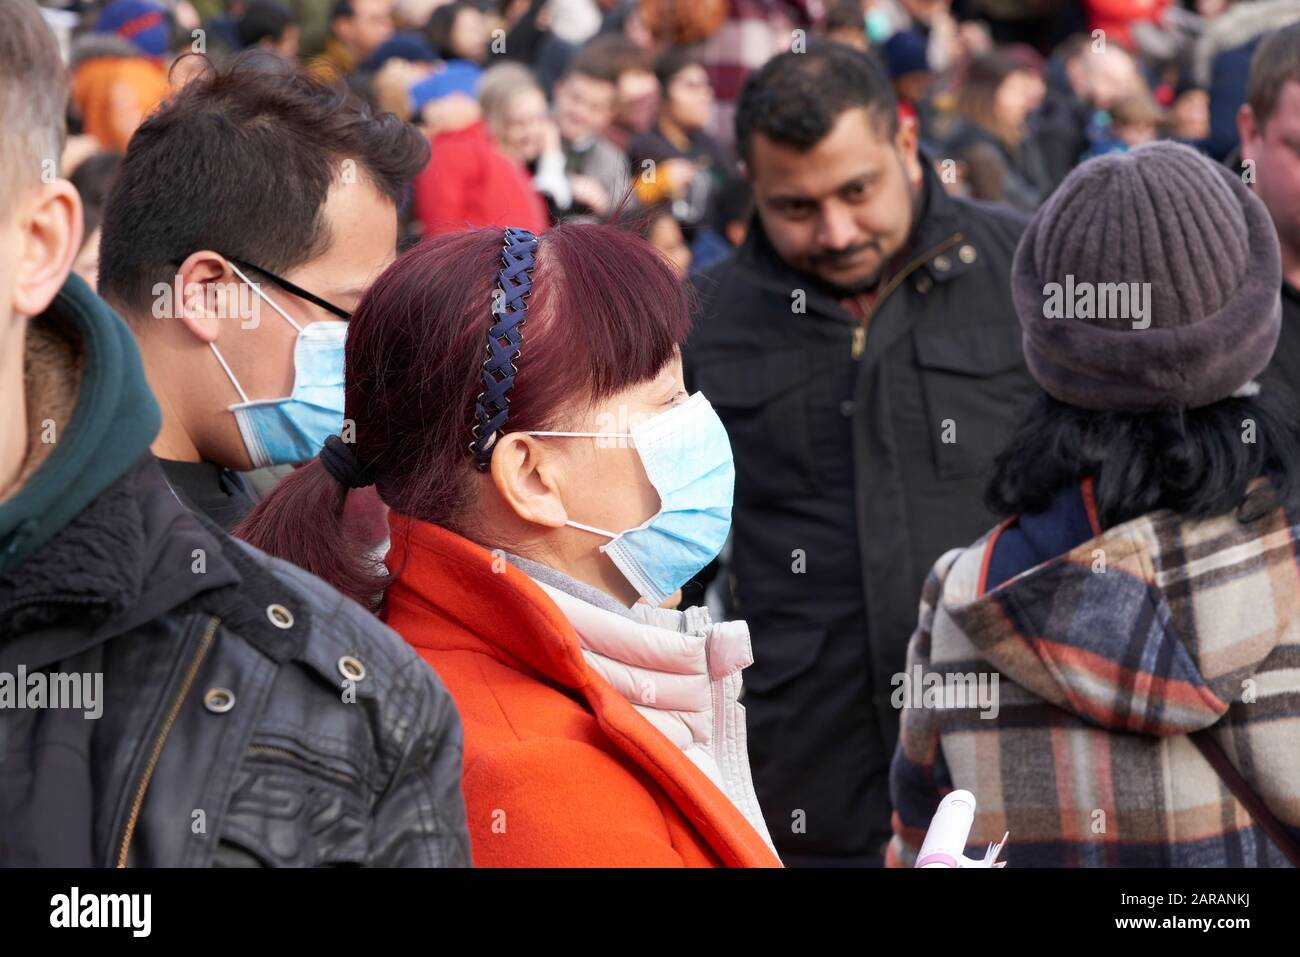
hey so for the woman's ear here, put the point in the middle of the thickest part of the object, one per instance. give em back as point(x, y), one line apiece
point(527, 475)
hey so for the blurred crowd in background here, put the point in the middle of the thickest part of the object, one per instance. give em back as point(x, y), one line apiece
point(547, 110)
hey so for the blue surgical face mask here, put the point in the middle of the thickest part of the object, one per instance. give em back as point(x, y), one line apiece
point(687, 458)
point(292, 429)
point(879, 26)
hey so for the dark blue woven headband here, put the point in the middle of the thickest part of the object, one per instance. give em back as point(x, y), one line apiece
point(504, 341)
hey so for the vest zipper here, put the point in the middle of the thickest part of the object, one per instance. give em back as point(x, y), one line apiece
point(155, 752)
point(860, 330)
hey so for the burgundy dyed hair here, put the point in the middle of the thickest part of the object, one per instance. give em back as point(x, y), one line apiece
point(606, 312)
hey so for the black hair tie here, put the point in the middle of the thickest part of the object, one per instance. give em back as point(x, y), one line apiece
point(341, 462)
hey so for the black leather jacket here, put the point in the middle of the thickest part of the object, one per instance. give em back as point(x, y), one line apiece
point(250, 716)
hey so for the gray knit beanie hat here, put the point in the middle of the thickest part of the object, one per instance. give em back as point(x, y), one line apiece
point(1149, 279)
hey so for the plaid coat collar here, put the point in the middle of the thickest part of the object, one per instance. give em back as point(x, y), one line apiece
point(1149, 627)
point(1106, 658)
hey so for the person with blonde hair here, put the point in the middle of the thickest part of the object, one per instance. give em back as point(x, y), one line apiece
point(514, 108)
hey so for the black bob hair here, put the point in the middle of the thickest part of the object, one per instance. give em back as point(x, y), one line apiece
point(795, 98)
point(1198, 462)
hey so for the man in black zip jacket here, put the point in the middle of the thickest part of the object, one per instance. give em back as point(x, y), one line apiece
point(168, 696)
point(862, 350)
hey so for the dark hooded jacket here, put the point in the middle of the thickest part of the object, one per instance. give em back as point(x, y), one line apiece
point(243, 712)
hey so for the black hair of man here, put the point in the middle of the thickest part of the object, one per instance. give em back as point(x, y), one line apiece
point(672, 62)
point(93, 178)
point(241, 161)
point(844, 15)
point(264, 20)
point(606, 56)
point(796, 98)
point(1275, 61)
point(441, 23)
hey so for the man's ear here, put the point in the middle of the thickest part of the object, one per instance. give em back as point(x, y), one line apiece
point(1247, 130)
point(206, 283)
point(905, 141)
point(527, 477)
point(51, 238)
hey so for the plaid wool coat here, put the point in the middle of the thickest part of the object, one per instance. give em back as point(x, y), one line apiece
point(1107, 657)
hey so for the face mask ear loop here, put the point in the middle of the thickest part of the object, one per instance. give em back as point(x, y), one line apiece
point(230, 375)
point(587, 435)
point(591, 528)
point(605, 436)
point(269, 301)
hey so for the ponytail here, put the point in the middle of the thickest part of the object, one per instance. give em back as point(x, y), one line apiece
point(304, 521)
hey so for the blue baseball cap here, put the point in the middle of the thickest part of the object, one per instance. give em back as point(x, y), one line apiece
point(454, 76)
point(142, 22)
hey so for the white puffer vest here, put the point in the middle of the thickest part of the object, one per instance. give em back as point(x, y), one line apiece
point(681, 671)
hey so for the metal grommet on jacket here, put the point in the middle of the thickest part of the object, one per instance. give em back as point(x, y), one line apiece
point(942, 263)
point(279, 616)
point(966, 253)
point(219, 700)
point(351, 668)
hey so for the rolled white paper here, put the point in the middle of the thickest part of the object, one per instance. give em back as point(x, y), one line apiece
point(945, 841)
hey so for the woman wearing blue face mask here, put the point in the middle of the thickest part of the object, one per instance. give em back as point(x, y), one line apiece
point(518, 403)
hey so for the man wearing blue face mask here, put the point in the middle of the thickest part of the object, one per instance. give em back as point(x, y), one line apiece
point(291, 428)
point(249, 215)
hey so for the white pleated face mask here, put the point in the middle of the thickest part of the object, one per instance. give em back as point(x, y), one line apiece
point(292, 429)
point(687, 457)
